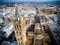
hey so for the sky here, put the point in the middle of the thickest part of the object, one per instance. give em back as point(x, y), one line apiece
point(28, 0)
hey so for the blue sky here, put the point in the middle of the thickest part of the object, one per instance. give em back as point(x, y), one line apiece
point(28, 0)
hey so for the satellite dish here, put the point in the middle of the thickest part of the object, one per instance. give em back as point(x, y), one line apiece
point(6, 43)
